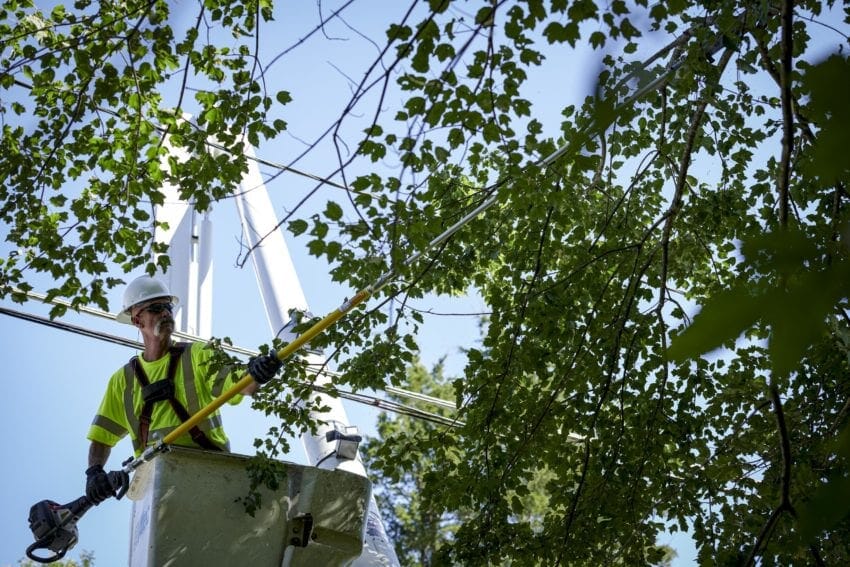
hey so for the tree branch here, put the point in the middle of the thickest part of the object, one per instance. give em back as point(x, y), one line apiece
point(787, 110)
point(785, 487)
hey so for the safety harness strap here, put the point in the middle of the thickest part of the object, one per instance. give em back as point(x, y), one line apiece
point(163, 390)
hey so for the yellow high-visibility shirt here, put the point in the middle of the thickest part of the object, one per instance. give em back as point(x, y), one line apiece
point(194, 387)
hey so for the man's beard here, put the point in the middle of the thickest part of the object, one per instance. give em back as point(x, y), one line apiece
point(157, 330)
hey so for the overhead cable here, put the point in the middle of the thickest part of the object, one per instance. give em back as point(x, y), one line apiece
point(365, 399)
point(224, 149)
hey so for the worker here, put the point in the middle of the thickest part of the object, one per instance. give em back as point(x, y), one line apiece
point(162, 387)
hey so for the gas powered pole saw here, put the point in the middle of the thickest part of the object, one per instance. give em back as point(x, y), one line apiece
point(54, 525)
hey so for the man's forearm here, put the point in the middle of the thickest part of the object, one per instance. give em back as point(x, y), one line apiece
point(98, 453)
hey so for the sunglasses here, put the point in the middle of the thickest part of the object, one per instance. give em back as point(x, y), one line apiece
point(160, 307)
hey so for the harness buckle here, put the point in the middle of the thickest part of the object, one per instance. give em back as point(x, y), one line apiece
point(158, 391)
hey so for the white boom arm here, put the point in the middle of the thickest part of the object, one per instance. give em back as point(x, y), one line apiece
point(190, 277)
point(282, 295)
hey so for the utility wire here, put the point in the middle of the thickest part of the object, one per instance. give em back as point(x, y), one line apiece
point(63, 326)
point(274, 165)
point(365, 399)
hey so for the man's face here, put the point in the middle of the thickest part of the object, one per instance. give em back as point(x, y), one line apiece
point(154, 316)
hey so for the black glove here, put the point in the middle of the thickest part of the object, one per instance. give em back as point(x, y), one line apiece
point(264, 367)
point(98, 487)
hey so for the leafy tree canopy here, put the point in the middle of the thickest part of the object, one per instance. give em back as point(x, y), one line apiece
point(86, 560)
point(420, 532)
point(706, 171)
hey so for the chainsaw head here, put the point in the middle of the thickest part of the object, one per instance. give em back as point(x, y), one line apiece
point(54, 527)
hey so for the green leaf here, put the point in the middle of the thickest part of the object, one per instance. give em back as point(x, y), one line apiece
point(597, 39)
point(723, 319)
point(298, 226)
point(316, 247)
point(333, 211)
point(828, 81)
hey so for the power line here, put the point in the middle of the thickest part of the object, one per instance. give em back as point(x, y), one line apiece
point(274, 165)
point(365, 399)
point(63, 326)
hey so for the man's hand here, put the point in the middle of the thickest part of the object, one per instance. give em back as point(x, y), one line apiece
point(264, 367)
point(98, 487)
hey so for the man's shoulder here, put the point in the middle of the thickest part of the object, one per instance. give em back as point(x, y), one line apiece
point(194, 346)
point(118, 377)
point(199, 350)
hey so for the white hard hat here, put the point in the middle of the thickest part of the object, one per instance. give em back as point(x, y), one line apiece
point(141, 289)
